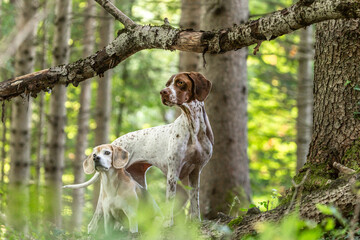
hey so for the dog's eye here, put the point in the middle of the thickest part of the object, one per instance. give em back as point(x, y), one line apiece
point(107, 152)
point(180, 83)
point(94, 155)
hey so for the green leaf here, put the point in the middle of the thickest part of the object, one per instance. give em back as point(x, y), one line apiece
point(330, 224)
point(184, 186)
point(243, 209)
point(252, 205)
point(347, 82)
point(324, 209)
point(357, 88)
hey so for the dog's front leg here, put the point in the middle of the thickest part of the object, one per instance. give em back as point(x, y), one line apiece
point(107, 222)
point(130, 212)
point(170, 195)
point(194, 182)
point(98, 215)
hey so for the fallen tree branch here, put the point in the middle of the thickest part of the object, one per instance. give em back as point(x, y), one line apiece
point(342, 169)
point(134, 39)
point(339, 193)
point(116, 13)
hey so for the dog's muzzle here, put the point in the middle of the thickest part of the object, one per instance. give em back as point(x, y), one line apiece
point(165, 97)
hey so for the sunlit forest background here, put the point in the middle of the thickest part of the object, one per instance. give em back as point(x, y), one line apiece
point(135, 103)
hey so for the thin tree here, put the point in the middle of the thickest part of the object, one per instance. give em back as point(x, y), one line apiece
point(54, 162)
point(83, 119)
point(19, 176)
point(226, 177)
point(305, 96)
point(103, 101)
point(20, 125)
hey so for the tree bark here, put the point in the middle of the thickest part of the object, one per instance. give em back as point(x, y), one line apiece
point(226, 176)
point(19, 176)
point(134, 39)
point(190, 19)
point(103, 101)
point(83, 120)
point(305, 96)
point(54, 162)
point(339, 193)
point(336, 126)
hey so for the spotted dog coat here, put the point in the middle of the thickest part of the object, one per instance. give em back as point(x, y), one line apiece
point(180, 149)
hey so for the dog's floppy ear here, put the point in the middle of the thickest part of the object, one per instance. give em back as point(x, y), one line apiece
point(202, 86)
point(120, 157)
point(88, 164)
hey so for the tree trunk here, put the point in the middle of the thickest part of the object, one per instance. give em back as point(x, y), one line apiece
point(336, 126)
point(54, 163)
point(190, 19)
point(18, 200)
point(103, 101)
point(83, 119)
point(339, 193)
point(226, 176)
point(305, 96)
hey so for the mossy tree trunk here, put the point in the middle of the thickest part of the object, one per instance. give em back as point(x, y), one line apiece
point(336, 124)
point(336, 129)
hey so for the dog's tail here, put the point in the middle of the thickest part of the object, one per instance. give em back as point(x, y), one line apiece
point(85, 184)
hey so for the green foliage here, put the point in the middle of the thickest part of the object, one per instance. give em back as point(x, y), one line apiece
point(272, 109)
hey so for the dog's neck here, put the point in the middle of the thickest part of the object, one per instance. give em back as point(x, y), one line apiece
point(112, 179)
point(193, 113)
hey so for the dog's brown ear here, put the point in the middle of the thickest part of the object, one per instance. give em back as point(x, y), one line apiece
point(120, 157)
point(88, 164)
point(202, 86)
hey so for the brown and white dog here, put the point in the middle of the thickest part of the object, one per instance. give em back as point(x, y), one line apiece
point(180, 149)
point(118, 191)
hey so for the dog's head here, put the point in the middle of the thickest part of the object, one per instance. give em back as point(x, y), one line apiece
point(185, 87)
point(104, 157)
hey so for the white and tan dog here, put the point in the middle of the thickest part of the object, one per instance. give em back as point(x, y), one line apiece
point(180, 149)
point(118, 191)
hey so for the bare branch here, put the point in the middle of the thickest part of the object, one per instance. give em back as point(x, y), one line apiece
point(119, 15)
point(296, 186)
point(135, 39)
point(342, 169)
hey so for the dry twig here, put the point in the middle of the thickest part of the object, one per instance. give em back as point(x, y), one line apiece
point(297, 186)
point(114, 11)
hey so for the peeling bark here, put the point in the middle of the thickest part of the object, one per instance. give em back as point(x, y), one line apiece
point(134, 39)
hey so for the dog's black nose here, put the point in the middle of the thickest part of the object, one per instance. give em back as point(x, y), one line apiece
point(165, 91)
